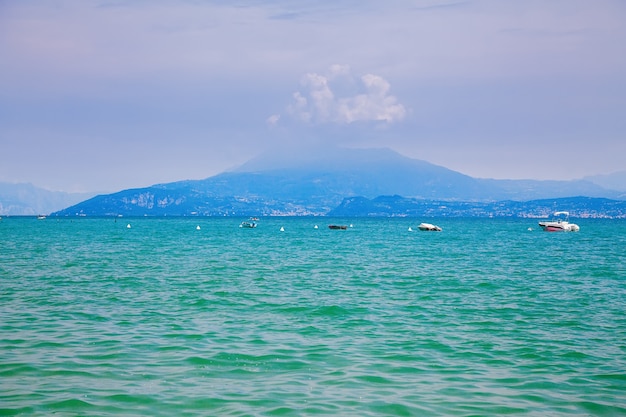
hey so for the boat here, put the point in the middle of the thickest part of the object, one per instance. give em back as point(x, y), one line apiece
point(248, 224)
point(41, 217)
point(559, 223)
point(429, 227)
point(337, 227)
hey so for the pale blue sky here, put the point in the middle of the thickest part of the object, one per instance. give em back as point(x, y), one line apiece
point(105, 95)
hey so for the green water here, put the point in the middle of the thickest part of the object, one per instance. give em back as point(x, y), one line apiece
point(486, 318)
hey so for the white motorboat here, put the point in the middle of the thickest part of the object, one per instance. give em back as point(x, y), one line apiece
point(559, 223)
point(250, 224)
point(429, 227)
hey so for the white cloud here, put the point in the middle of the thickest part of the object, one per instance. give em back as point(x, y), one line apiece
point(273, 119)
point(365, 99)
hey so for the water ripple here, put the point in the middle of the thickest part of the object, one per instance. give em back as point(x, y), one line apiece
point(166, 320)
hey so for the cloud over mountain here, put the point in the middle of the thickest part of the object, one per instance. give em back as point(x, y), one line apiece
point(110, 94)
point(337, 96)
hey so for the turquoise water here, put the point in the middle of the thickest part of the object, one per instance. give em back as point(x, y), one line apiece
point(485, 318)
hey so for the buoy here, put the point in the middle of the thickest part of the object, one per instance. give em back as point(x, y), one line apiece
point(410, 230)
point(282, 229)
point(315, 227)
point(128, 226)
point(198, 227)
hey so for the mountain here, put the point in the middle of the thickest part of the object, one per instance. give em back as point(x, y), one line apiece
point(28, 200)
point(314, 182)
point(614, 181)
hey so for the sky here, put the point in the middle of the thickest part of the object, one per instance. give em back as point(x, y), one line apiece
point(104, 95)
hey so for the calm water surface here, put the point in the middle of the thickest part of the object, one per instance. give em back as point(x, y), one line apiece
point(486, 318)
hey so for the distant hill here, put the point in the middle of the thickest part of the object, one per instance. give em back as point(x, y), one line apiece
point(314, 182)
point(614, 181)
point(374, 172)
point(397, 206)
point(26, 200)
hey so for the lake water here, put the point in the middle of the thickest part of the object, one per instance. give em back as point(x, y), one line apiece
point(485, 318)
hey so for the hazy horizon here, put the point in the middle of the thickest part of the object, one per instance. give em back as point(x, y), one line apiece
point(268, 160)
point(101, 96)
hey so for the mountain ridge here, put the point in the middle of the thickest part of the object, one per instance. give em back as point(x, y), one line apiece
point(317, 182)
point(614, 181)
point(25, 199)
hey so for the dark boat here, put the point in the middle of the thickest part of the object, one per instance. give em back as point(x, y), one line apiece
point(337, 227)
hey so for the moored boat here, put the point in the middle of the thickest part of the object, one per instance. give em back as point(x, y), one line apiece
point(337, 226)
point(559, 223)
point(249, 224)
point(427, 227)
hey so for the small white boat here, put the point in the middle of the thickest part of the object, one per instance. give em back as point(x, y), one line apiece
point(248, 224)
point(429, 227)
point(559, 223)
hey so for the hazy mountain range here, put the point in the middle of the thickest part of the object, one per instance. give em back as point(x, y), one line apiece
point(316, 182)
point(614, 181)
point(29, 200)
point(310, 182)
